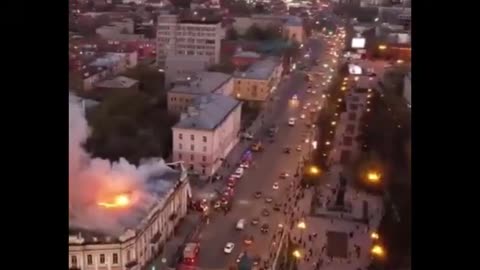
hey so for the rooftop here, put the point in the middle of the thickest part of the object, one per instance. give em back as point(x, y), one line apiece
point(202, 83)
point(261, 70)
point(294, 21)
point(117, 82)
point(208, 112)
point(156, 190)
point(107, 59)
point(247, 54)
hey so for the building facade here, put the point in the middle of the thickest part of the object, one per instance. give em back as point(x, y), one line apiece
point(136, 247)
point(407, 88)
point(185, 91)
point(259, 81)
point(183, 66)
point(207, 132)
point(188, 37)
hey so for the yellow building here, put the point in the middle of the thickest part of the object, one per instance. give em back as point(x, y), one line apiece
point(259, 80)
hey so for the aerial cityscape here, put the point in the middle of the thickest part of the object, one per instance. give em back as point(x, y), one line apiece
point(239, 134)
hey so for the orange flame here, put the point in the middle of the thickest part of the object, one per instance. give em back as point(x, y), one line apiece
point(119, 201)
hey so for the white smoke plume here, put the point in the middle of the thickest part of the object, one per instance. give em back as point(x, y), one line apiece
point(91, 179)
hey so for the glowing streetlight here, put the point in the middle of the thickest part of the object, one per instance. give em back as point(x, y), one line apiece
point(373, 177)
point(382, 47)
point(374, 236)
point(327, 143)
point(343, 88)
point(314, 144)
point(297, 254)
point(378, 251)
point(302, 225)
point(314, 170)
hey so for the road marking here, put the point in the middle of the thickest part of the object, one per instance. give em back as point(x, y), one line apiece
point(243, 202)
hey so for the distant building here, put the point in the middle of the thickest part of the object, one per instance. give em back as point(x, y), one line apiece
point(294, 30)
point(190, 37)
point(183, 66)
point(243, 59)
point(259, 81)
point(181, 96)
point(122, 30)
point(120, 83)
point(207, 132)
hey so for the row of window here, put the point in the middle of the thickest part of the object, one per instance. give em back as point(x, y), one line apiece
point(192, 137)
point(192, 157)
point(101, 259)
point(182, 52)
point(181, 99)
point(192, 147)
point(200, 47)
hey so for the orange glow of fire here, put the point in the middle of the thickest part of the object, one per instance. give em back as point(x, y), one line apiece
point(119, 201)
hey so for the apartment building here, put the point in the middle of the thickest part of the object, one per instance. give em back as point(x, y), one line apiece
point(207, 132)
point(183, 66)
point(179, 36)
point(259, 80)
point(180, 97)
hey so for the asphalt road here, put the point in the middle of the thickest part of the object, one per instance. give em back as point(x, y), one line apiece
point(268, 166)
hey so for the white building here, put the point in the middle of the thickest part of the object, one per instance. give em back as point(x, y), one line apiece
point(183, 66)
point(186, 90)
point(132, 250)
point(207, 132)
point(188, 37)
point(122, 30)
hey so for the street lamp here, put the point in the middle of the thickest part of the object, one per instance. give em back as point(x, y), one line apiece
point(313, 170)
point(374, 236)
point(302, 225)
point(378, 251)
point(373, 177)
point(382, 47)
point(297, 254)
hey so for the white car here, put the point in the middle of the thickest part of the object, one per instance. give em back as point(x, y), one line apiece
point(294, 97)
point(302, 116)
point(305, 107)
point(291, 122)
point(314, 91)
point(247, 136)
point(238, 173)
point(228, 248)
point(275, 185)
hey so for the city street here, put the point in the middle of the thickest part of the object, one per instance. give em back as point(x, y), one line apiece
point(268, 166)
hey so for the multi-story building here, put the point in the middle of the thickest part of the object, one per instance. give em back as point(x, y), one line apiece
point(186, 90)
point(140, 244)
point(294, 30)
point(179, 36)
point(183, 66)
point(259, 80)
point(207, 132)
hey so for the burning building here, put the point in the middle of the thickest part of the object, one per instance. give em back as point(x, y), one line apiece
point(120, 215)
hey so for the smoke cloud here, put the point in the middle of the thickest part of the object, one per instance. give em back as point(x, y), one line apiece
point(93, 179)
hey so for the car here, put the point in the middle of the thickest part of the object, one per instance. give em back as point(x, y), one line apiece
point(245, 165)
point(265, 212)
point(268, 199)
point(305, 107)
point(248, 240)
point(294, 97)
point(264, 228)
point(255, 221)
point(231, 183)
point(277, 206)
point(240, 224)
point(291, 122)
point(217, 205)
point(238, 172)
point(228, 248)
point(257, 260)
point(309, 90)
point(299, 148)
point(258, 194)
point(286, 150)
point(275, 186)
point(314, 92)
point(247, 136)
point(257, 147)
point(308, 104)
point(240, 256)
point(302, 116)
point(284, 175)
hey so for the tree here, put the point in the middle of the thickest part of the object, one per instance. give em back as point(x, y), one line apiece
point(232, 34)
point(254, 33)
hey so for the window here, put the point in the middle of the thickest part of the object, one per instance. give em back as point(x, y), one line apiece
point(192, 147)
point(128, 256)
point(203, 171)
point(192, 137)
point(204, 138)
point(115, 258)
point(179, 156)
point(180, 146)
point(180, 136)
point(102, 258)
point(192, 158)
point(204, 149)
point(89, 259)
point(204, 158)
point(74, 260)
